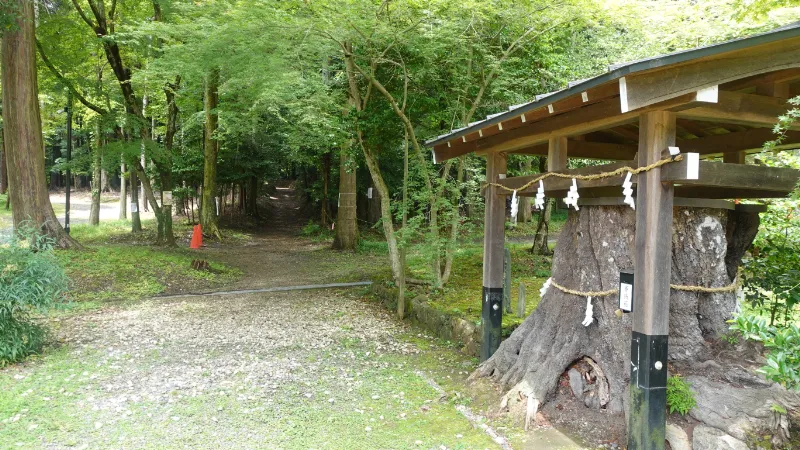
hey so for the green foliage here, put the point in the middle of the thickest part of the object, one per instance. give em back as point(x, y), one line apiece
point(680, 397)
point(783, 360)
point(31, 280)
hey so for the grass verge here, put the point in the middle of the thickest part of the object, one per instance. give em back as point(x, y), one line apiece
point(118, 264)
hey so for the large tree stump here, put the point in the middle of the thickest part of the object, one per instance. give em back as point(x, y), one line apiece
point(595, 244)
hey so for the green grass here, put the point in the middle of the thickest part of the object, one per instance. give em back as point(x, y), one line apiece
point(461, 296)
point(47, 402)
point(52, 401)
point(118, 264)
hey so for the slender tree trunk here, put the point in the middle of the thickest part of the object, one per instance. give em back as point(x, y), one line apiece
point(386, 211)
point(166, 173)
point(136, 221)
point(208, 209)
point(23, 128)
point(401, 282)
point(450, 249)
point(525, 202)
point(123, 193)
point(97, 175)
point(543, 226)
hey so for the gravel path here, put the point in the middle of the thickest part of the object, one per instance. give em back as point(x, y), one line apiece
point(299, 369)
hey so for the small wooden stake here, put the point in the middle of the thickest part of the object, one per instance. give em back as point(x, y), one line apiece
point(507, 282)
point(521, 301)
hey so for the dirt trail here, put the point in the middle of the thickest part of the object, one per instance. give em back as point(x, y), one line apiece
point(277, 256)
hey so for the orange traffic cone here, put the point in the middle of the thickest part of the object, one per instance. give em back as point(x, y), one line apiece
point(199, 235)
point(195, 243)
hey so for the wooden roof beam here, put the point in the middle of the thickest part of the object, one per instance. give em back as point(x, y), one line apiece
point(752, 139)
point(651, 87)
point(588, 150)
point(599, 116)
point(738, 108)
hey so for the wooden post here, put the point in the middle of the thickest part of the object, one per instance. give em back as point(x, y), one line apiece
point(654, 201)
point(557, 154)
point(493, 253)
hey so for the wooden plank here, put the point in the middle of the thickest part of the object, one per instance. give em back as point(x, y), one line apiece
point(752, 139)
point(727, 193)
point(657, 85)
point(677, 202)
point(738, 108)
point(651, 291)
point(588, 150)
point(738, 176)
point(558, 184)
point(493, 252)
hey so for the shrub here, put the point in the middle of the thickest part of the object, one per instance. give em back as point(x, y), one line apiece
point(680, 397)
point(783, 360)
point(30, 280)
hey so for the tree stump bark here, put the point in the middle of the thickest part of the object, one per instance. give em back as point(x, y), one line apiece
point(595, 244)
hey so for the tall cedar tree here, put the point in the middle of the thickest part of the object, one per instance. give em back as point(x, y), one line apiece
point(23, 128)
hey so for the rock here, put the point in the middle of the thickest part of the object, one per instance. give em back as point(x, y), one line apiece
point(677, 438)
point(708, 438)
point(738, 411)
point(575, 382)
point(592, 400)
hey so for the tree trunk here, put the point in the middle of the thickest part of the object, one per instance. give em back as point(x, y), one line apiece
point(386, 212)
point(208, 208)
point(595, 244)
point(97, 179)
point(23, 129)
point(136, 221)
point(540, 245)
point(3, 165)
point(166, 172)
point(346, 237)
point(252, 198)
point(525, 215)
point(325, 210)
point(123, 193)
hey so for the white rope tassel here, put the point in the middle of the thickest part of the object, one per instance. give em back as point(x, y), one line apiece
point(627, 191)
point(589, 318)
point(572, 196)
point(545, 286)
point(514, 207)
point(539, 201)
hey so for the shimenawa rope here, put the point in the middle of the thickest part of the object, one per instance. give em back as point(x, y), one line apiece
point(613, 173)
point(678, 287)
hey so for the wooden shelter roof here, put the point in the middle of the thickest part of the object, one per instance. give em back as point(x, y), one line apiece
point(726, 96)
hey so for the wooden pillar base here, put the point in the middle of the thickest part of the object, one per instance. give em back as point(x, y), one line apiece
point(648, 391)
point(491, 320)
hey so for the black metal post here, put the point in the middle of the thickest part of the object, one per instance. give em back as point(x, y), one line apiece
point(69, 158)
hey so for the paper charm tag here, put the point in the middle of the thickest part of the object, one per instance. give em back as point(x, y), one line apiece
point(539, 201)
point(572, 196)
point(514, 207)
point(589, 318)
point(544, 288)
